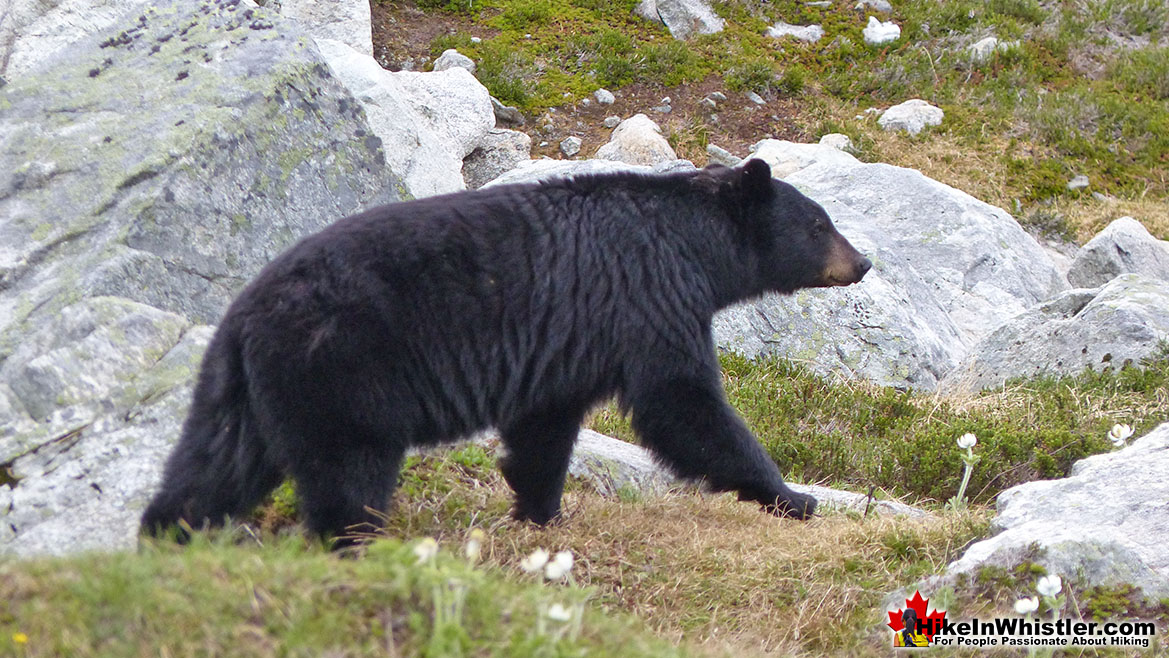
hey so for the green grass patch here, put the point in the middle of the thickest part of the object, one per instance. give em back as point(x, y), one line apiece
point(855, 435)
point(290, 598)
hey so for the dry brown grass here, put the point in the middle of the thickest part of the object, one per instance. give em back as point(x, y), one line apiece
point(709, 571)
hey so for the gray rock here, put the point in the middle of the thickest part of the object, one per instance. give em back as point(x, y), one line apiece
point(1078, 182)
point(983, 49)
point(722, 156)
point(428, 122)
point(837, 141)
point(1105, 524)
point(882, 6)
point(912, 116)
point(879, 32)
point(531, 171)
point(127, 218)
point(1118, 324)
point(506, 115)
point(615, 467)
point(604, 97)
point(717, 96)
point(786, 158)
point(638, 140)
point(683, 18)
point(347, 21)
point(500, 151)
point(947, 270)
point(755, 98)
point(451, 58)
point(807, 33)
point(1123, 246)
point(570, 146)
point(32, 31)
point(611, 121)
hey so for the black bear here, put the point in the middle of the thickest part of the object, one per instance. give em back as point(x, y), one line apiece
point(516, 307)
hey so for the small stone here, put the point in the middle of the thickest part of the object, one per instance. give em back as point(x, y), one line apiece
point(585, 102)
point(719, 155)
point(506, 115)
point(837, 141)
point(452, 58)
point(1078, 183)
point(819, 4)
point(570, 146)
point(664, 109)
point(807, 33)
point(876, 5)
point(476, 40)
point(604, 97)
point(667, 101)
point(708, 103)
point(611, 121)
point(879, 32)
point(755, 98)
point(912, 116)
point(718, 96)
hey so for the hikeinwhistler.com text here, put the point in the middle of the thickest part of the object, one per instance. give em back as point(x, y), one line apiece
point(1016, 632)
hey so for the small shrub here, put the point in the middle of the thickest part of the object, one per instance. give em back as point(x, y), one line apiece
point(755, 74)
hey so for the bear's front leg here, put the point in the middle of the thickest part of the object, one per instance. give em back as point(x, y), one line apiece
point(539, 446)
point(687, 422)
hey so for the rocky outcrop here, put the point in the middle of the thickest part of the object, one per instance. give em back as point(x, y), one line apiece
point(1117, 325)
point(1123, 246)
point(428, 122)
point(32, 31)
point(947, 270)
point(912, 116)
point(500, 151)
point(145, 175)
point(1105, 524)
point(637, 141)
point(347, 21)
point(683, 18)
point(615, 468)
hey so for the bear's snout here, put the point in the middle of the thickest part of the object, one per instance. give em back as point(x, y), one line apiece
point(844, 265)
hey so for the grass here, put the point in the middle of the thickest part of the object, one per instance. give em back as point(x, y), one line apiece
point(684, 574)
point(1080, 87)
point(687, 574)
point(855, 435)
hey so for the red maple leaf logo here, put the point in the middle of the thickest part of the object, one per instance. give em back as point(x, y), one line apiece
point(932, 622)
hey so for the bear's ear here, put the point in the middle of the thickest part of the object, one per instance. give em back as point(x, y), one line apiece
point(755, 181)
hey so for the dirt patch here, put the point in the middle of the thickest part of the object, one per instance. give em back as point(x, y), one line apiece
point(402, 35)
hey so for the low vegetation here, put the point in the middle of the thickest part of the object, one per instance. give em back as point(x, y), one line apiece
point(856, 435)
point(1074, 88)
point(1080, 87)
point(685, 574)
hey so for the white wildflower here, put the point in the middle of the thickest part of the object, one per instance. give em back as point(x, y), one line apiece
point(535, 561)
point(1119, 434)
point(558, 612)
point(426, 549)
point(1049, 585)
point(474, 545)
point(1026, 606)
point(559, 567)
point(967, 441)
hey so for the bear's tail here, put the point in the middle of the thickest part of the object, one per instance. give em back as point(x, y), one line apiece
point(221, 466)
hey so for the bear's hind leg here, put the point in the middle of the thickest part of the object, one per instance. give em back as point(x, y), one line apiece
point(689, 425)
point(539, 446)
point(343, 488)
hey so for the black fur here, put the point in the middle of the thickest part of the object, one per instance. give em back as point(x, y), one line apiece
point(517, 307)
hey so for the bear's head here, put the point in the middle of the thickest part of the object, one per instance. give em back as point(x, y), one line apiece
point(795, 242)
